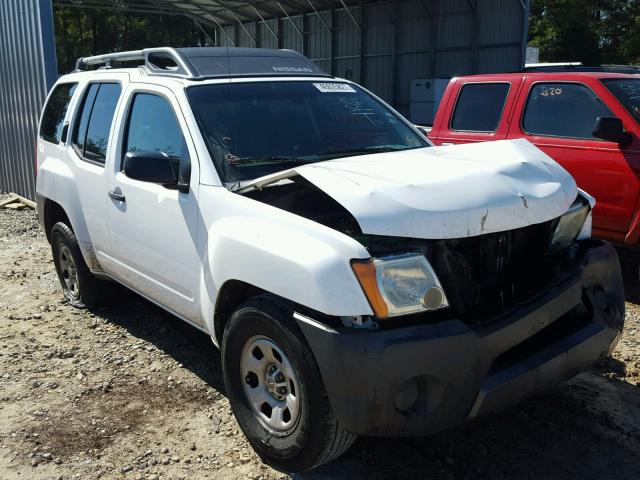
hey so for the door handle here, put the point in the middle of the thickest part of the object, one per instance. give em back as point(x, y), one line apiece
point(117, 196)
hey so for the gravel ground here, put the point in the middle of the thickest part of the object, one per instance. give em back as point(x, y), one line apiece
point(131, 392)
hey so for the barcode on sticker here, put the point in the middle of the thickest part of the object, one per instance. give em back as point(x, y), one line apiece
point(334, 87)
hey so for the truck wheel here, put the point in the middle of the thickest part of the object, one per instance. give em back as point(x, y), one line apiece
point(275, 388)
point(79, 286)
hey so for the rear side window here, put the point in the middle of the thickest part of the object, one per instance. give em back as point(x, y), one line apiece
point(91, 135)
point(562, 110)
point(55, 111)
point(480, 107)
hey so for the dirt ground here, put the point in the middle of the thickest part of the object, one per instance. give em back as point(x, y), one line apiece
point(130, 392)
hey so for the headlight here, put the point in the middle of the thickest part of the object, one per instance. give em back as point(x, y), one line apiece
point(400, 285)
point(571, 225)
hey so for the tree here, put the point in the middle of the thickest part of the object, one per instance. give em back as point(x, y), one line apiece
point(589, 31)
point(81, 32)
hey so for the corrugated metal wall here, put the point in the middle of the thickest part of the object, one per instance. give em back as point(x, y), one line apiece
point(27, 71)
point(384, 45)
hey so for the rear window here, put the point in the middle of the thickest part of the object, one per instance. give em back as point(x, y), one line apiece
point(55, 111)
point(480, 107)
point(91, 134)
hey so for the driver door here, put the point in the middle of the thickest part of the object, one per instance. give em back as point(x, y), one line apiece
point(152, 227)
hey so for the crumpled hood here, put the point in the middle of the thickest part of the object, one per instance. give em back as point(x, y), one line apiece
point(445, 192)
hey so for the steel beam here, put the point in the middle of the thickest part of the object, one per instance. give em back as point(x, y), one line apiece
point(476, 35)
point(348, 10)
point(291, 20)
point(313, 7)
point(265, 23)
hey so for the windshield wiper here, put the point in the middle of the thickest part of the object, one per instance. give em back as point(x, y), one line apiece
point(364, 151)
point(269, 159)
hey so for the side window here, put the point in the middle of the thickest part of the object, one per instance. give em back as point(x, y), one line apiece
point(153, 126)
point(55, 111)
point(479, 107)
point(562, 110)
point(91, 134)
point(80, 132)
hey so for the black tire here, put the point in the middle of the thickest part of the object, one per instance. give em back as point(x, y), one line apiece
point(316, 437)
point(89, 291)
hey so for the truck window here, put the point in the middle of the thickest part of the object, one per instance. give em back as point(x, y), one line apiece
point(479, 107)
point(153, 126)
point(627, 91)
point(562, 110)
point(55, 111)
point(91, 134)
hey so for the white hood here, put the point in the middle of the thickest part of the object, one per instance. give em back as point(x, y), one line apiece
point(444, 192)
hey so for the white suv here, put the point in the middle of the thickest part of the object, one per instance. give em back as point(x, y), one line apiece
point(357, 279)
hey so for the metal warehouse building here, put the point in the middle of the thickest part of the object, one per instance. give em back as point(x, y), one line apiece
point(402, 50)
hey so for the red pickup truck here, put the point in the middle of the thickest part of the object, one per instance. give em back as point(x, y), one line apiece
point(586, 119)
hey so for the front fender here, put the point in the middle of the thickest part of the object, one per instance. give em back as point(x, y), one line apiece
point(290, 262)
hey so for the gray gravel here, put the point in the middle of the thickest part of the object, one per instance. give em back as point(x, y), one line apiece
point(130, 392)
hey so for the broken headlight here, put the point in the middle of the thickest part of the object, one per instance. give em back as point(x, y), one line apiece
point(400, 284)
point(573, 225)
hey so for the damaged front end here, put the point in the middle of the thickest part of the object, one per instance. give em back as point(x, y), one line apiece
point(468, 322)
point(476, 278)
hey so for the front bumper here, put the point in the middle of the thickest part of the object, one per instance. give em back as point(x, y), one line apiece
point(422, 379)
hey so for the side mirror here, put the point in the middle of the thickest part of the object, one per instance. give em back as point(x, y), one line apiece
point(424, 130)
point(152, 167)
point(612, 130)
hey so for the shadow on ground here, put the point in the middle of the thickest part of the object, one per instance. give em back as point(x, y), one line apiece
point(568, 432)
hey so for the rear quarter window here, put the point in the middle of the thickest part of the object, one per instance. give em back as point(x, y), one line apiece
point(479, 107)
point(54, 112)
point(91, 134)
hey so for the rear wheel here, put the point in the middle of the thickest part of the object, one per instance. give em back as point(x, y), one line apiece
point(275, 389)
point(79, 286)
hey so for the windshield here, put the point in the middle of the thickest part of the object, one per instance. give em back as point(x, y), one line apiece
point(627, 91)
point(258, 128)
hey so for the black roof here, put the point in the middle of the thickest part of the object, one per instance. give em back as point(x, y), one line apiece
point(584, 68)
point(210, 62)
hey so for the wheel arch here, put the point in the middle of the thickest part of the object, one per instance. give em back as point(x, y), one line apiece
point(52, 213)
point(232, 294)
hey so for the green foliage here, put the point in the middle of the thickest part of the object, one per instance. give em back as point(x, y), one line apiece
point(589, 31)
point(84, 32)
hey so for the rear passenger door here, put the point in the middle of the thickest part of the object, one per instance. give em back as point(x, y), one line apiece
point(86, 153)
point(479, 112)
point(153, 228)
point(558, 117)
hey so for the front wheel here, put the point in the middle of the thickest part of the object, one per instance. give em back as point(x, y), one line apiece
point(275, 388)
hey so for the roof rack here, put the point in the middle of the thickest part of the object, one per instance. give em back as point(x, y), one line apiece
point(579, 67)
point(163, 60)
point(209, 62)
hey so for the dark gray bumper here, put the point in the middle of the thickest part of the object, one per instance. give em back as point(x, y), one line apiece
point(451, 372)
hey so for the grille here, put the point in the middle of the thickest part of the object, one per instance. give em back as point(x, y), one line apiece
point(487, 275)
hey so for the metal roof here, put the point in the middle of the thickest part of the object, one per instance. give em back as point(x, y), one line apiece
point(213, 12)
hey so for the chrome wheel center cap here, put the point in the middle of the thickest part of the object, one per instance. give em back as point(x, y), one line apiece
point(276, 382)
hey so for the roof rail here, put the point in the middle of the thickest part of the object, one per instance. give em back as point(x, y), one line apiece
point(162, 60)
point(579, 67)
point(198, 63)
point(552, 64)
